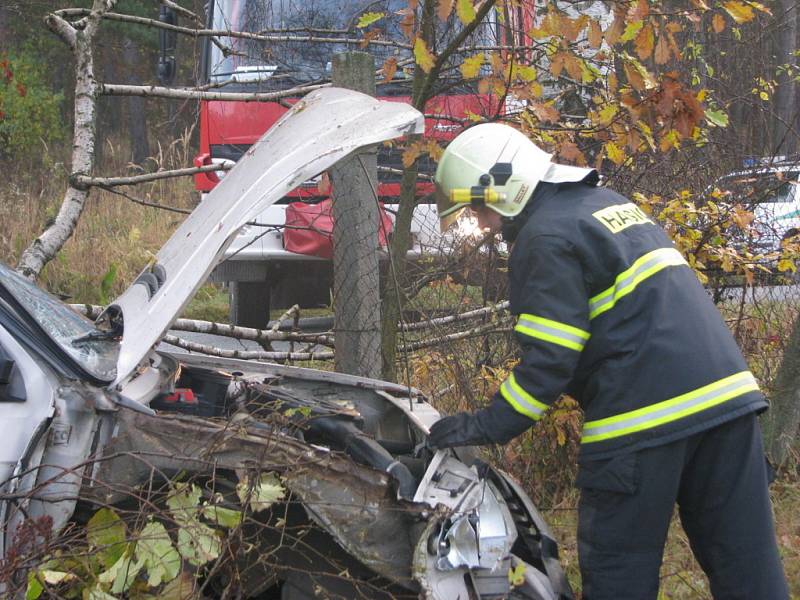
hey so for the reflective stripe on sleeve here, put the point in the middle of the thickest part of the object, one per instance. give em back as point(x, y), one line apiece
point(552, 331)
point(670, 410)
point(521, 400)
point(645, 266)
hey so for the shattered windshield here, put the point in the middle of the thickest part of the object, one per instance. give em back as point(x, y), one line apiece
point(64, 326)
point(289, 58)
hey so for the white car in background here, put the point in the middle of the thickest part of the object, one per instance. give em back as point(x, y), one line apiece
point(771, 191)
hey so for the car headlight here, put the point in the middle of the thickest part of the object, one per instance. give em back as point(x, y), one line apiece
point(479, 538)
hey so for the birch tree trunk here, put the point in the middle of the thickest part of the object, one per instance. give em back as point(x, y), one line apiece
point(45, 247)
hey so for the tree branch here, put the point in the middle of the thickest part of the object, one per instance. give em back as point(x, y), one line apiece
point(45, 247)
point(246, 354)
point(107, 182)
point(153, 91)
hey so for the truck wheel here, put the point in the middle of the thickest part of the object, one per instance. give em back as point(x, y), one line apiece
point(249, 303)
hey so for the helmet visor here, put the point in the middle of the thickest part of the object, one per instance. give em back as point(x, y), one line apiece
point(449, 211)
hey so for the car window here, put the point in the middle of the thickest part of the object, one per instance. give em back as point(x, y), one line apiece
point(64, 326)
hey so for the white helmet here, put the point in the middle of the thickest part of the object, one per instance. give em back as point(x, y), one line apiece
point(497, 166)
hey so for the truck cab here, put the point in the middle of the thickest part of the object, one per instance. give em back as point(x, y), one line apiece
point(301, 39)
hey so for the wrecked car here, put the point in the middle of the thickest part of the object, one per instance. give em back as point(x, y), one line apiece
point(90, 411)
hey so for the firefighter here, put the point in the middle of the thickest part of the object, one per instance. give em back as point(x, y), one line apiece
point(609, 312)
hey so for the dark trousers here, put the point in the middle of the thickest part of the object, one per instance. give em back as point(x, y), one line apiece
point(718, 479)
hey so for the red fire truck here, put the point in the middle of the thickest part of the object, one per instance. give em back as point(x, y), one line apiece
point(303, 37)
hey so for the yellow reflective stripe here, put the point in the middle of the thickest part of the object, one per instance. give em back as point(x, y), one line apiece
point(552, 331)
point(521, 400)
point(627, 281)
point(670, 410)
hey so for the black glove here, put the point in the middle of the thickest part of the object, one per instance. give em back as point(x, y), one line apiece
point(462, 429)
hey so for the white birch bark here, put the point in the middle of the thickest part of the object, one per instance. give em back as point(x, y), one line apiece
point(45, 247)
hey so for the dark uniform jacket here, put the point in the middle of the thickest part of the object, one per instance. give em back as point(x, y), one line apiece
point(610, 313)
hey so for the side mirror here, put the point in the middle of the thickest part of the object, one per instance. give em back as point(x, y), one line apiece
point(167, 42)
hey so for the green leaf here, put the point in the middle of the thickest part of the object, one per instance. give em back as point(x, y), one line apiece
point(108, 535)
point(35, 587)
point(262, 494)
point(465, 11)
point(368, 18)
point(718, 118)
point(198, 543)
point(184, 500)
point(155, 549)
point(99, 594)
point(122, 574)
point(226, 517)
point(107, 283)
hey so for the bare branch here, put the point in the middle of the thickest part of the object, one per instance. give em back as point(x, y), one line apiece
point(184, 11)
point(461, 335)
point(246, 354)
point(226, 330)
point(472, 314)
point(292, 313)
point(62, 29)
point(107, 182)
point(264, 37)
point(153, 91)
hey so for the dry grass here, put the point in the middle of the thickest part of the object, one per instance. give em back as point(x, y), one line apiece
point(115, 236)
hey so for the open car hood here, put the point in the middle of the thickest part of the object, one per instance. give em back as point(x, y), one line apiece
point(321, 129)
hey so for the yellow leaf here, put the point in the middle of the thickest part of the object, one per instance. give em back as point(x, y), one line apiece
point(786, 264)
point(472, 66)
point(669, 141)
point(516, 576)
point(615, 153)
point(422, 55)
point(763, 95)
point(739, 11)
point(631, 31)
point(465, 11)
point(718, 23)
point(607, 113)
point(368, 18)
point(645, 41)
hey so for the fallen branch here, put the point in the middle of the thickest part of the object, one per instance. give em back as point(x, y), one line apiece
point(246, 354)
point(472, 314)
point(453, 337)
point(293, 313)
point(223, 329)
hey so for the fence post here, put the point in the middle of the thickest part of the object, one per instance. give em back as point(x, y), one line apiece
point(356, 290)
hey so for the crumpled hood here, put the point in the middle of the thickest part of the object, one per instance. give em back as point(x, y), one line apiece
point(321, 129)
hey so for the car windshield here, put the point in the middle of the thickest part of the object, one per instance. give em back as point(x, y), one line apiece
point(64, 326)
point(282, 62)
